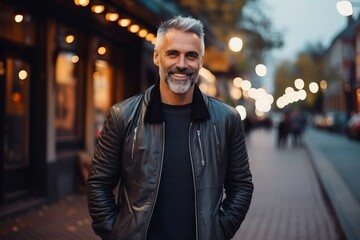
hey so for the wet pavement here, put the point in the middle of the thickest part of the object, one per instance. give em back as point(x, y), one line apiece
point(289, 202)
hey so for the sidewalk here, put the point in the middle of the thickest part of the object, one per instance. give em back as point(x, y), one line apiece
point(66, 219)
point(288, 203)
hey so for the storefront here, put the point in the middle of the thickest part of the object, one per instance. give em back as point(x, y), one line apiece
point(61, 67)
point(62, 64)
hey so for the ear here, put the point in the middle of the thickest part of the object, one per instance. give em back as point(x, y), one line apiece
point(156, 57)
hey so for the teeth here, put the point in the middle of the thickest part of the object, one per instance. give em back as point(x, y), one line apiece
point(179, 75)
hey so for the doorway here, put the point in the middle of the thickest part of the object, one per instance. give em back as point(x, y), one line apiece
point(15, 77)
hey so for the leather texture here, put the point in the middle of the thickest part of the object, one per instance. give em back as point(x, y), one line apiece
point(128, 158)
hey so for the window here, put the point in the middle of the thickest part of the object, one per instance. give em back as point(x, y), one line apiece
point(16, 26)
point(68, 85)
point(66, 94)
point(102, 92)
point(16, 113)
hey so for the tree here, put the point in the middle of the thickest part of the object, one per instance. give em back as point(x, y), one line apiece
point(283, 77)
point(309, 67)
point(237, 18)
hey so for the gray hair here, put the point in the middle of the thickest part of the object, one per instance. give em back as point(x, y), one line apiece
point(184, 24)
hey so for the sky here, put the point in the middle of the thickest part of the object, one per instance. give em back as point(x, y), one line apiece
point(304, 21)
point(301, 22)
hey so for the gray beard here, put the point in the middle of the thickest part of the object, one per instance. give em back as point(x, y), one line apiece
point(179, 86)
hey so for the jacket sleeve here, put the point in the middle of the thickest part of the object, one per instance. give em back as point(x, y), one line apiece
point(104, 175)
point(238, 182)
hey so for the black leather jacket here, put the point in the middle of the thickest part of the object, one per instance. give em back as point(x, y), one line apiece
point(130, 152)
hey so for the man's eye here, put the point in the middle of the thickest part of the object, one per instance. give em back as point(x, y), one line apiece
point(172, 54)
point(192, 56)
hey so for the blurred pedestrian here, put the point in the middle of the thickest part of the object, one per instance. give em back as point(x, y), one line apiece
point(297, 127)
point(248, 125)
point(283, 131)
point(173, 151)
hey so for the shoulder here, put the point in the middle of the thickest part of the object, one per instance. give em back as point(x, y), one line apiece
point(219, 108)
point(131, 101)
point(127, 107)
point(226, 117)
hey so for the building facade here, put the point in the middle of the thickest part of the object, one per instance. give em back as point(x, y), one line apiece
point(342, 67)
point(62, 64)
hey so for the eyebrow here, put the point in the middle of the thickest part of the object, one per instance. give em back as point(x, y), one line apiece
point(186, 53)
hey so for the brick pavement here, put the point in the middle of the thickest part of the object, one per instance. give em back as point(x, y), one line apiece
point(287, 204)
point(66, 219)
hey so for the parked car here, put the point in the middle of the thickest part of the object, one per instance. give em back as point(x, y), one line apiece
point(336, 121)
point(319, 121)
point(331, 120)
point(353, 126)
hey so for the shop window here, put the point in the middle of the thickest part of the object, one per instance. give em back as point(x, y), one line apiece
point(102, 82)
point(67, 82)
point(16, 114)
point(16, 26)
point(66, 92)
point(102, 92)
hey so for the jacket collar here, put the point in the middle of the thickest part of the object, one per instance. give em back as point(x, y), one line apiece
point(154, 112)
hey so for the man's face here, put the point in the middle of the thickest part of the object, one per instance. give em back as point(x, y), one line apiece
point(179, 60)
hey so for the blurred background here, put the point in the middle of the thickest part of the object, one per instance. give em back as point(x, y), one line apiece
point(64, 63)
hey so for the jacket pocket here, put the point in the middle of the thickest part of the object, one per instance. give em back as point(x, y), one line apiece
point(220, 235)
point(210, 227)
point(128, 201)
point(123, 225)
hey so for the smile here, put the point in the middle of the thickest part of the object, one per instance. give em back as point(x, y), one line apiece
point(180, 75)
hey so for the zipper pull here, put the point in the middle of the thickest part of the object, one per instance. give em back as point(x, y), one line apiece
point(201, 149)
point(133, 143)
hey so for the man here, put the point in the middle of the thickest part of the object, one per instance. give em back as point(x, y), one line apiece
point(173, 151)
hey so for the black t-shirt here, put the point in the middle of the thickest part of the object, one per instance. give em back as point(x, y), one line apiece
point(174, 214)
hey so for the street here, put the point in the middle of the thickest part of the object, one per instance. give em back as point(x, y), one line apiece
point(290, 200)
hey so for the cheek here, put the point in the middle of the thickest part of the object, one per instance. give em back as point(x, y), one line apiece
point(196, 65)
point(166, 64)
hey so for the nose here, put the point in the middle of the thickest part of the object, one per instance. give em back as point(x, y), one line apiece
point(181, 63)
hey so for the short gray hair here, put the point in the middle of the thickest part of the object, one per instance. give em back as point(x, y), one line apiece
point(184, 24)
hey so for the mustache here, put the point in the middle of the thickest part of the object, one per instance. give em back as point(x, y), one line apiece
point(186, 71)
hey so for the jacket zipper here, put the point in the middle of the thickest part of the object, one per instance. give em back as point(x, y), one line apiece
point(217, 143)
point(133, 142)
point(194, 181)
point(201, 148)
point(158, 185)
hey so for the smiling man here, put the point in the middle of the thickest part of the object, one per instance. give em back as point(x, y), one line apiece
point(173, 151)
point(179, 56)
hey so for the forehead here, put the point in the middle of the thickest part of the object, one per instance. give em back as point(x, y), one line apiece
point(181, 41)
